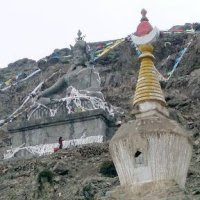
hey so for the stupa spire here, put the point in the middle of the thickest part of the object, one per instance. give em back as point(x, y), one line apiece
point(148, 88)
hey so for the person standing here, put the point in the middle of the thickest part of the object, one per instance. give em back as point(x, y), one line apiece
point(60, 141)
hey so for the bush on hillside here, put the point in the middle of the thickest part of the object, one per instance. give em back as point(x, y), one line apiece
point(45, 174)
point(107, 168)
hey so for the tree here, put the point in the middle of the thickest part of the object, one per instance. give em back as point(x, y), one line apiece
point(196, 26)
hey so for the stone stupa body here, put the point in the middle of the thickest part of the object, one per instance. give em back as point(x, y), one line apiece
point(152, 153)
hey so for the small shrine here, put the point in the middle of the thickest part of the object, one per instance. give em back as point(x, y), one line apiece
point(152, 153)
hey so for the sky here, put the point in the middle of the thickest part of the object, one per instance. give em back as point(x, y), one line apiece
point(34, 28)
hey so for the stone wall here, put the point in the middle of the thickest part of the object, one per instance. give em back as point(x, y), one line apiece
point(68, 126)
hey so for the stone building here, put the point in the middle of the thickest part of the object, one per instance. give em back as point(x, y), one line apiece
point(80, 116)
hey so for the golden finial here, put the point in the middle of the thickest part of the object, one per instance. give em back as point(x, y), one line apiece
point(148, 86)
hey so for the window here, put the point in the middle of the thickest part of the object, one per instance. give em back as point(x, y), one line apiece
point(139, 158)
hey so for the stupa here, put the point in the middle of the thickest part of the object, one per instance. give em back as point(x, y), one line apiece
point(152, 153)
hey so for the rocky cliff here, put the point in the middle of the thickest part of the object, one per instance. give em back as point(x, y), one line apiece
point(118, 71)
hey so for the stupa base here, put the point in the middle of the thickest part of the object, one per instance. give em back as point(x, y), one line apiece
point(161, 190)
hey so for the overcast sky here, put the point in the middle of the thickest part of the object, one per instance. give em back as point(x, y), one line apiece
point(34, 28)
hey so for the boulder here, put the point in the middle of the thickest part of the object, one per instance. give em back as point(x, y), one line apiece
point(61, 168)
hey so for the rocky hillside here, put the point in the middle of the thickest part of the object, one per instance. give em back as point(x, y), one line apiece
point(80, 173)
point(72, 174)
point(118, 71)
